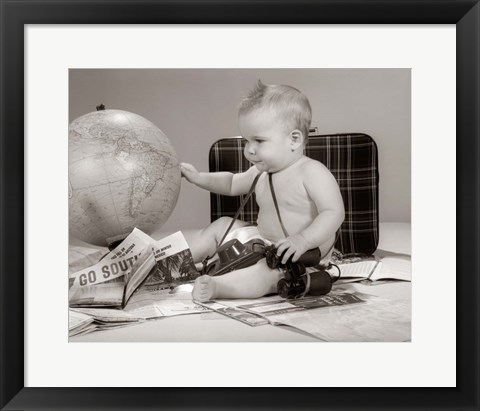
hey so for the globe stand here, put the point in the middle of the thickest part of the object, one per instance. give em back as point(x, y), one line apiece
point(111, 246)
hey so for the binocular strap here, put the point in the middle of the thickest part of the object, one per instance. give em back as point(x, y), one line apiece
point(307, 286)
point(242, 204)
point(272, 191)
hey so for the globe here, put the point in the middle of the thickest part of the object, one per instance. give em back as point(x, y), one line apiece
point(122, 172)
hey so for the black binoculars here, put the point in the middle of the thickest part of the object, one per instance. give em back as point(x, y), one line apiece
point(297, 281)
point(234, 255)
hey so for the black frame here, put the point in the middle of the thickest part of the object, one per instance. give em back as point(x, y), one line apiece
point(15, 14)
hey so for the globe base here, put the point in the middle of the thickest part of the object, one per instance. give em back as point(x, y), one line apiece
point(114, 244)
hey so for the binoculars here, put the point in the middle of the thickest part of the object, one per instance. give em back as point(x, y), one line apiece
point(297, 281)
point(234, 255)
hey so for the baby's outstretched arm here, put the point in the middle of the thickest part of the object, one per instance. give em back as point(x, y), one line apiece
point(220, 183)
point(224, 183)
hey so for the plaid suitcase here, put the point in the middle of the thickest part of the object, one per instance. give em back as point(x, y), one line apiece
point(351, 158)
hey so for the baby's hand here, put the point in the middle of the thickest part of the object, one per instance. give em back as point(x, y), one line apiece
point(295, 245)
point(189, 172)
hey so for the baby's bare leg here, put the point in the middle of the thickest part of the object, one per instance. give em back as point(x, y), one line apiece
point(204, 242)
point(250, 282)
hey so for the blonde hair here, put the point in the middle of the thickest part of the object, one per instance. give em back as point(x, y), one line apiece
point(289, 104)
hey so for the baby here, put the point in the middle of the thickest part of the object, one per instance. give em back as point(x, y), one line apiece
point(274, 120)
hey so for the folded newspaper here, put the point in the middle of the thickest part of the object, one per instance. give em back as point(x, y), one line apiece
point(140, 279)
point(138, 260)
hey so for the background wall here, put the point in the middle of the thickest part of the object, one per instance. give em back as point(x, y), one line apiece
point(195, 107)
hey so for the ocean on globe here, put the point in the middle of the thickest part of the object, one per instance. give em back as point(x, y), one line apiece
point(122, 173)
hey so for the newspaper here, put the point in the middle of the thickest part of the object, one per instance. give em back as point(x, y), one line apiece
point(151, 279)
point(150, 302)
point(138, 259)
point(78, 322)
point(94, 324)
point(393, 268)
point(141, 307)
point(377, 320)
point(104, 283)
point(235, 313)
point(374, 272)
point(340, 316)
point(115, 264)
point(265, 310)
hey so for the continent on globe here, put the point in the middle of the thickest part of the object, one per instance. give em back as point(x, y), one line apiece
point(122, 173)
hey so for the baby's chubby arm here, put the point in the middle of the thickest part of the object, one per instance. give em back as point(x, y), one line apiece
point(224, 183)
point(323, 189)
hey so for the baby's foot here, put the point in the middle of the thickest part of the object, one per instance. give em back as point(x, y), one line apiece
point(204, 288)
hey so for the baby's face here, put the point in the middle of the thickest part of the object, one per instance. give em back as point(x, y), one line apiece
point(268, 143)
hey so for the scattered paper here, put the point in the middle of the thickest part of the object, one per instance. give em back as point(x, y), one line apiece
point(393, 268)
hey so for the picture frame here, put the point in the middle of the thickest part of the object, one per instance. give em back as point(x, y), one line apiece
point(464, 14)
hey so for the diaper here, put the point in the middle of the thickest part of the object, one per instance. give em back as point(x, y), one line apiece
point(244, 234)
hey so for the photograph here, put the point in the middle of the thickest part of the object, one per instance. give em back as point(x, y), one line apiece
point(270, 177)
point(200, 199)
